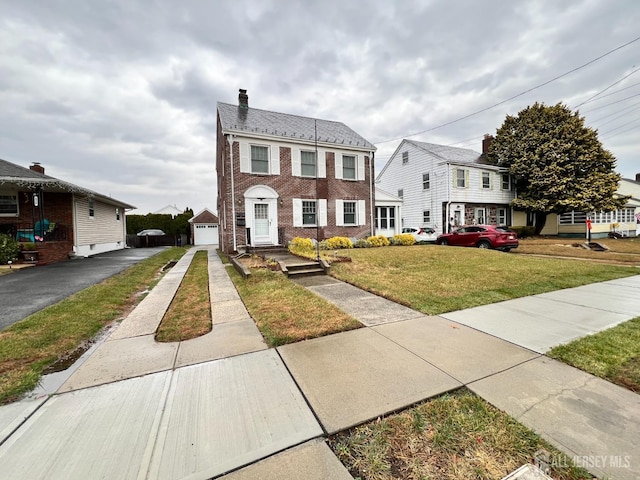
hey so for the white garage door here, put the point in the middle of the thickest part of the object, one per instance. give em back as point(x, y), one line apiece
point(205, 234)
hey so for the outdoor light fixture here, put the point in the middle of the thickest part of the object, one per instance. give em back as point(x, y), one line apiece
point(36, 199)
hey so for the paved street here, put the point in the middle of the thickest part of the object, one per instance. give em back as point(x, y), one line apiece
point(29, 290)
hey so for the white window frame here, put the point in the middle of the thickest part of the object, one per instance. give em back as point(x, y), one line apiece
point(389, 218)
point(480, 215)
point(461, 178)
point(117, 214)
point(321, 212)
point(401, 193)
point(355, 167)
point(507, 177)
point(352, 204)
point(303, 153)
point(502, 216)
point(15, 202)
point(405, 157)
point(572, 218)
point(426, 181)
point(92, 208)
point(251, 159)
point(486, 176)
point(426, 216)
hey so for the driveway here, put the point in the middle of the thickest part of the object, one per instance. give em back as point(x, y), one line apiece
point(31, 289)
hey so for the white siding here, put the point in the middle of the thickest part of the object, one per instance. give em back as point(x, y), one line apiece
point(101, 233)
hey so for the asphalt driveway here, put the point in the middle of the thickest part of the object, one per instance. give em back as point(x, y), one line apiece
point(31, 289)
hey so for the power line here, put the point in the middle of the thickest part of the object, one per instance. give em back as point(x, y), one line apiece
point(606, 134)
point(514, 96)
point(612, 103)
point(612, 93)
point(602, 91)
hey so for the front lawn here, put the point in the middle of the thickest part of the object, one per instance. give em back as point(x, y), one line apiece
point(435, 279)
point(624, 251)
point(455, 436)
point(286, 312)
point(613, 354)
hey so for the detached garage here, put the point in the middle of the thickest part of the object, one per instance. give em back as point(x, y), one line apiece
point(204, 228)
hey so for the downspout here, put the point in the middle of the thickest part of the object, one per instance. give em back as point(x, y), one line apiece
point(445, 229)
point(233, 196)
point(371, 211)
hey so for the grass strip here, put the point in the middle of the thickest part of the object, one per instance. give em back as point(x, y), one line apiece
point(455, 436)
point(189, 315)
point(434, 279)
point(285, 312)
point(29, 346)
point(612, 354)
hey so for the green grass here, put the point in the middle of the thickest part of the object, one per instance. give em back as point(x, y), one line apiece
point(455, 436)
point(434, 279)
point(613, 354)
point(285, 312)
point(29, 346)
point(189, 315)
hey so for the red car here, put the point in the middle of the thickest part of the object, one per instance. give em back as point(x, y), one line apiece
point(481, 236)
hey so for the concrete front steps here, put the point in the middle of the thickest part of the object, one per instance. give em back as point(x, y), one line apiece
point(291, 265)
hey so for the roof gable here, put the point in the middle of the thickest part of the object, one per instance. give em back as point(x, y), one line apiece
point(291, 127)
point(204, 216)
point(26, 178)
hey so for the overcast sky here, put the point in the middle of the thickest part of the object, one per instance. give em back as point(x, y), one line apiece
point(120, 96)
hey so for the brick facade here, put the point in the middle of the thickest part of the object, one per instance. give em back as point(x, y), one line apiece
point(288, 187)
point(58, 209)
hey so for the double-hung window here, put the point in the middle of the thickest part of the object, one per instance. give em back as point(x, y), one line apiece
point(308, 164)
point(92, 209)
point(309, 212)
point(8, 205)
point(461, 178)
point(506, 181)
point(259, 159)
point(486, 180)
point(405, 158)
point(349, 212)
point(426, 216)
point(349, 167)
point(426, 181)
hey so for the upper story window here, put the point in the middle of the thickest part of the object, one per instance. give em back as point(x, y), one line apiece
point(461, 178)
point(349, 167)
point(401, 193)
point(309, 212)
point(92, 210)
point(486, 180)
point(426, 181)
point(506, 181)
point(405, 158)
point(8, 205)
point(259, 159)
point(308, 164)
point(349, 212)
point(426, 216)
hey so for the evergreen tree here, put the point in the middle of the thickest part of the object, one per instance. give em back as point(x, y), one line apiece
point(557, 162)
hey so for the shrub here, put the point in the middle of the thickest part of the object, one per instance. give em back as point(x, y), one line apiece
point(9, 248)
point(379, 241)
point(524, 232)
point(362, 243)
point(339, 242)
point(301, 244)
point(324, 245)
point(403, 239)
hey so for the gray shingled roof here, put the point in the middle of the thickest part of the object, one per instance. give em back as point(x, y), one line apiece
point(292, 127)
point(27, 178)
point(448, 154)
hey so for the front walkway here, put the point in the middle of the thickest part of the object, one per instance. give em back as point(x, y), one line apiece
point(198, 409)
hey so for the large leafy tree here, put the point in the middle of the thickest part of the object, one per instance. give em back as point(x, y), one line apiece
point(558, 163)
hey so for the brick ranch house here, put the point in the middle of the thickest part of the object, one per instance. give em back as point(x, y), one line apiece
point(60, 218)
point(273, 187)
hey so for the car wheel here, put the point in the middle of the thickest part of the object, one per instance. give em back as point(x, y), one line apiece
point(506, 250)
point(444, 242)
point(484, 244)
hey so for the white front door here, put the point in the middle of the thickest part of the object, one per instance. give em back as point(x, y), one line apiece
point(261, 224)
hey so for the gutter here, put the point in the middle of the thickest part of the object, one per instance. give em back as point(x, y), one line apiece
point(445, 229)
point(371, 211)
point(233, 195)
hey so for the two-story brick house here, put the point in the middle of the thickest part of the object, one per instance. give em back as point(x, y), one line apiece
point(281, 176)
point(438, 183)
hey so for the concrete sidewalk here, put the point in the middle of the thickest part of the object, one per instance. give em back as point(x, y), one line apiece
point(223, 402)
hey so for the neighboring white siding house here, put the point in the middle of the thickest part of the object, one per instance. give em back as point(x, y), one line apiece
point(388, 213)
point(438, 183)
point(99, 226)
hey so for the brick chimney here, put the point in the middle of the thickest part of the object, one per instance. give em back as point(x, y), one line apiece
point(36, 167)
point(486, 143)
point(243, 99)
point(637, 177)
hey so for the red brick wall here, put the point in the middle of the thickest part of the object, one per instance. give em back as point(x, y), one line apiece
point(57, 208)
point(287, 187)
